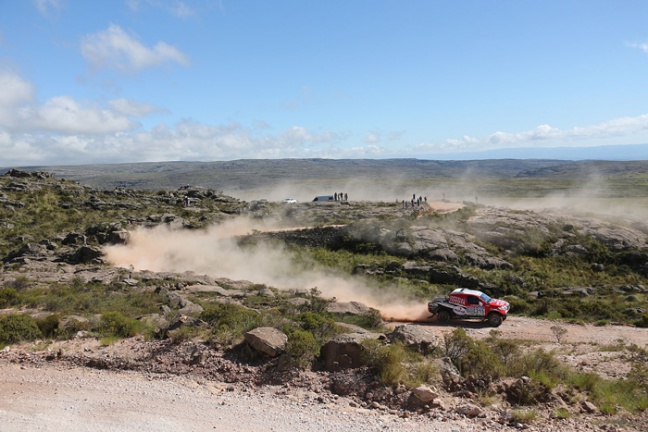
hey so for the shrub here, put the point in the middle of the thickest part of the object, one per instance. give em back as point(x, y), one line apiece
point(321, 326)
point(472, 357)
point(524, 416)
point(18, 327)
point(50, 325)
point(235, 317)
point(386, 360)
point(302, 348)
point(8, 297)
point(229, 322)
point(20, 283)
point(115, 324)
point(370, 321)
point(71, 326)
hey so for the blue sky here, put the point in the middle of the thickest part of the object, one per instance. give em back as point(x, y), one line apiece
point(108, 81)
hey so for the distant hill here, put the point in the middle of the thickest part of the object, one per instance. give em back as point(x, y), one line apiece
point(630, 152)
point(252, 173)
point(305, 177)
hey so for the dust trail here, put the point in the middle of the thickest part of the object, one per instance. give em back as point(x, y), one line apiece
point(215, 252)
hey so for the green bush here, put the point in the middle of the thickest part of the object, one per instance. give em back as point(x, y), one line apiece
point(388, 361)
point(18, 327)
point(229, 315)
point(321, 326)
point(115, 324)
point(229, 322)
point(302, 348)
point(50, 325)
point(472, 357)
point(71, 326)
point(8, 297)
point(20, 283)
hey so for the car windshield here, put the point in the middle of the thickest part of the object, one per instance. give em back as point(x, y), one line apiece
point(485, 298)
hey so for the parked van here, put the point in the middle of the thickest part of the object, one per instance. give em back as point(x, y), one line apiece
point(323, 198)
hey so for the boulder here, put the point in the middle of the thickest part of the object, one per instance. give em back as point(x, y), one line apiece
point(216, 289)
point(267, 340)
point(349, 308)
point(85, 255)
point(345, 351)
point(118, 237)
point(425, 394)
point(470, 410)
point(184, 306)
point(416, 337)
point(183, 321)
point(588, 407)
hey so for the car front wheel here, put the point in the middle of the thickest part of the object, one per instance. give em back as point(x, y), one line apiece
point(443, 316)
point(495, 319)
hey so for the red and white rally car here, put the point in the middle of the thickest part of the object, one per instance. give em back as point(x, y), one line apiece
point(467, 303)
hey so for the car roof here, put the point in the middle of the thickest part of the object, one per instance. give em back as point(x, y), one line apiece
point(467, 291)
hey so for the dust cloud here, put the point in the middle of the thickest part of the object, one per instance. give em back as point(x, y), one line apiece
point(215, 252)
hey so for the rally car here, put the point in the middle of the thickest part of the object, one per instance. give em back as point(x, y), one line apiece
point(467, 303)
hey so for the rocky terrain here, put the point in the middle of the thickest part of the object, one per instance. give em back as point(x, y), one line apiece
point(57, 237)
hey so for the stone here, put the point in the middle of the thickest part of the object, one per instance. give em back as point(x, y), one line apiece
point(267, 340)
point(345, 351)
point(416, 337)
point(470, 410)
point(425, 394)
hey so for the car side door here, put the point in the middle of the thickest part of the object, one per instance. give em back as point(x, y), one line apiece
point(476, 306)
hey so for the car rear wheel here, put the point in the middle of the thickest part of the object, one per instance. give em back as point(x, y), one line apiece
point(443, 316)
point(495, 319)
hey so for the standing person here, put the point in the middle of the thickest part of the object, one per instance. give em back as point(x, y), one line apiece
point(335, 196)
point(346, 197)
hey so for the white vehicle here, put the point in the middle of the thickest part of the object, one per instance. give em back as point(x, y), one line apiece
point(290, 201)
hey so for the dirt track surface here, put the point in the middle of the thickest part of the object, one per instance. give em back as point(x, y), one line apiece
point(52, 396)
point(81, 399)
point(539, 330)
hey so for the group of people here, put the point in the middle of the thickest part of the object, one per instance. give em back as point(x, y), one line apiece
point(414, 201)
point(341, 196)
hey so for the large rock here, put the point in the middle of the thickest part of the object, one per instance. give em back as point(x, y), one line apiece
point(416, 337)
point(425, 394)
point(470, 410)
point(85, 255)
point(345, 351)
point(349, 308)
point(267, 340)
point(184, 306)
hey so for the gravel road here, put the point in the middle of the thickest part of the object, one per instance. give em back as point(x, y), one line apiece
point(81, 399)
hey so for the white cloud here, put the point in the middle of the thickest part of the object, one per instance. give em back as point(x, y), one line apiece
point(608, 132)
point(19, 111)
point(188, 140)
point(376, 137)
point(372, 138)
point(15, 93)
point(642, 46)
point(181, 10)
point(178, 8)
point(47, 7)
point(132, 108)
point(114, 48)
point(66, 115)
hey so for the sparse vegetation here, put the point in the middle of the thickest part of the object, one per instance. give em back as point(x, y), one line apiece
point(549, 268)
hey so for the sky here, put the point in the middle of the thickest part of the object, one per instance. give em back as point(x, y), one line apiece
point(119, 81)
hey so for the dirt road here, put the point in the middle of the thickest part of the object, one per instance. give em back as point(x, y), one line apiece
point(539, 330)
point(51, 396)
